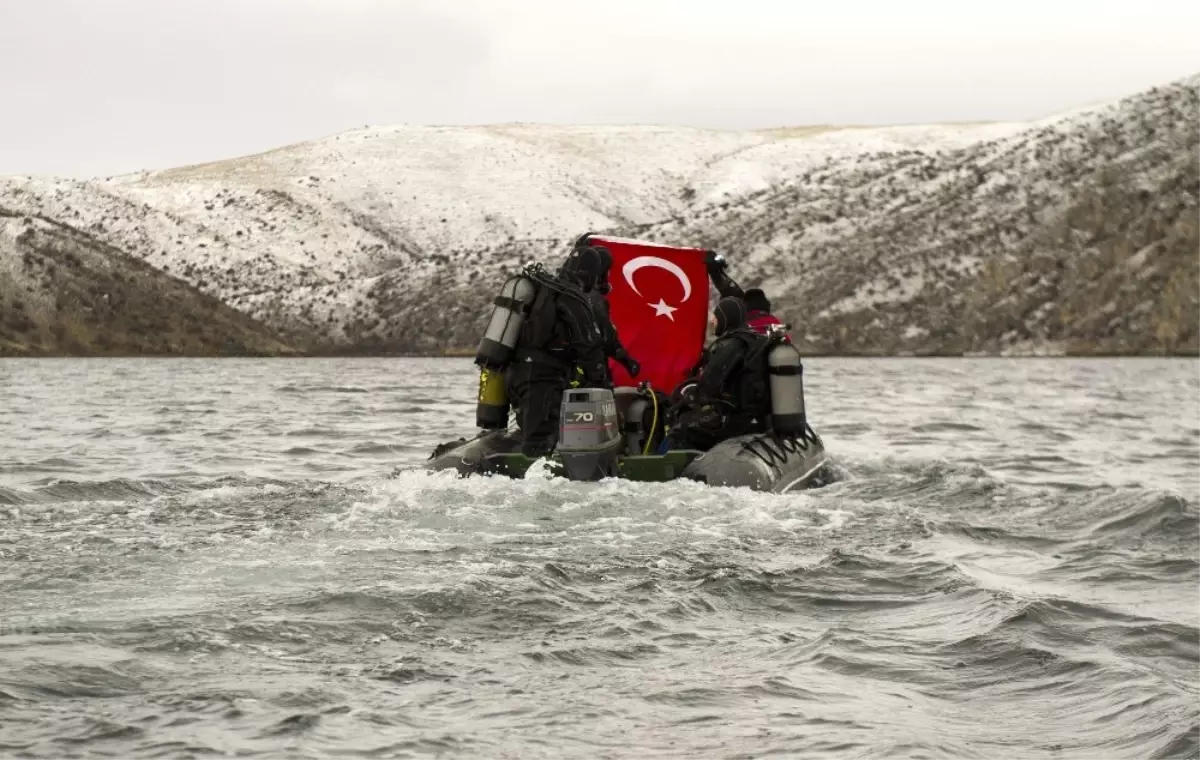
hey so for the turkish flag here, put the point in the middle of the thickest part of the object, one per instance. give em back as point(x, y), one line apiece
point(659, 306)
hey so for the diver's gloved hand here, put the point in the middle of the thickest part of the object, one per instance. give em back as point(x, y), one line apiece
point(714, 261)
point(631, 366)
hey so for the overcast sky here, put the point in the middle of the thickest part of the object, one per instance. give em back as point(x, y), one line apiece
point(95, 87)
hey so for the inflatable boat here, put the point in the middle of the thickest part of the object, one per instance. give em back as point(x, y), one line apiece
point(607, 433)
point(601, 435)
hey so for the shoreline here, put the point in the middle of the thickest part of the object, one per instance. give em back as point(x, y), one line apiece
point(468, 355)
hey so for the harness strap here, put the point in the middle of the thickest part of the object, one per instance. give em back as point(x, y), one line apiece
point(512, 303)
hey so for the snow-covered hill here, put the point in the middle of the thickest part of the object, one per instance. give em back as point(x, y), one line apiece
point(62, 292)
point(868, 238)
point(1077, 234)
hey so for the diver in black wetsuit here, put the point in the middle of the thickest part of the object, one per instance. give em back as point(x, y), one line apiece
point(613, 348)
point(758, 307)
point(559, 338)
point(730, 395)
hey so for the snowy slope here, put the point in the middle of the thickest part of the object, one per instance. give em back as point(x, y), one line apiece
point(395, 237)
point(300, 236)
point(62, 292)
point(996, 247)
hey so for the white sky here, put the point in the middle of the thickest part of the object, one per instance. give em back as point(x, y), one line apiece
point(95, 87)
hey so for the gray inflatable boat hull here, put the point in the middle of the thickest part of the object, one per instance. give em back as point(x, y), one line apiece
point(591, 446)
point(757, 462)
point(763, 462)
point(468, 456)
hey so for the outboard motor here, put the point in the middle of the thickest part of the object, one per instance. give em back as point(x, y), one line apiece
point(786, 378)
point(589, 438)
point(496, 347)
point(631, 410)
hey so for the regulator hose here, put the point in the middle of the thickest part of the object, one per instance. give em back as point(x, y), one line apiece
point(645, 388)
point(538, 274)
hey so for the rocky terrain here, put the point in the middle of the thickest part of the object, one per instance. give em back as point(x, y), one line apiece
point(1081, 235)
point(62, 292)
point(1072, 234)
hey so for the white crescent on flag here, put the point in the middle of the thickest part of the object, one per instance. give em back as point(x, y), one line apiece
point(661, 309)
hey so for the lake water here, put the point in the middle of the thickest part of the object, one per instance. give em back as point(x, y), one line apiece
point(220, 557)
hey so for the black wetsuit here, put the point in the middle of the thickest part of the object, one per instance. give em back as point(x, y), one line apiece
point(731, 395)
point(758, 307)
point(724, 284)
point(559, 335)
point(613, 348)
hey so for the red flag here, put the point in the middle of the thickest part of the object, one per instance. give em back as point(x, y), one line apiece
point(659, 306)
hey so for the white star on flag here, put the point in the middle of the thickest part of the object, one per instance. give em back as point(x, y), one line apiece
point(661, 309)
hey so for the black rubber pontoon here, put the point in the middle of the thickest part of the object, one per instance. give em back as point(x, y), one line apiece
point(601, 435)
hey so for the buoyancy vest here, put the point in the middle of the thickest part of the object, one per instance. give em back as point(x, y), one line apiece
point(753, 389)
point(544, 336)
point(749, 390)
point(537, 331)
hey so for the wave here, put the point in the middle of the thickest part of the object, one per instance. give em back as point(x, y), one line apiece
point(116, 489)
point(47, 465)
point(48, 680)
point(1146, 516)
point(326, 389)
point(1112, 565)
point(121, 490)
point(372, 447)
point(1184, 745)
point(314, 432)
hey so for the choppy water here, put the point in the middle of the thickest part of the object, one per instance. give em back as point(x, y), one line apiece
point(209, 557)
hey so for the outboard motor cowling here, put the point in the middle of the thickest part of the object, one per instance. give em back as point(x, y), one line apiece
point(589, 438)
point(786, 379)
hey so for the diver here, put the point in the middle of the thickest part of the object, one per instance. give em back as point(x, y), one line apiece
point(613, 348)
point(557, 338)
point(758, 307)
point(730, 394)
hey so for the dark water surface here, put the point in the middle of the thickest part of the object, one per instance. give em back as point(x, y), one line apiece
point(211, 558)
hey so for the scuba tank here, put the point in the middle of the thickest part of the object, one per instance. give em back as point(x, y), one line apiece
point(496, 347)
point(491, 411)
point(500, 337)
point(785, 376)
point(512, 306)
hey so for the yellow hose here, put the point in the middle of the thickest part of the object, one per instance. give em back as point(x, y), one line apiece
point(653, 423)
